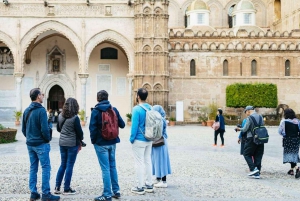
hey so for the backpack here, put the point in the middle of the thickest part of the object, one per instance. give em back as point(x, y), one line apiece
point(153, 124)
point(110, 127)
point(259, 132)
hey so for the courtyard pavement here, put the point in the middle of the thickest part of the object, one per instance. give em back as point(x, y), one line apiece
point(199, 171)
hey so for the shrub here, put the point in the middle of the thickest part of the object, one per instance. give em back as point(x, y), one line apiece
point(7, 135)
point(257, 95)
point(129, 115)
point(212, 110)
point(172, 119)
point(81, 115)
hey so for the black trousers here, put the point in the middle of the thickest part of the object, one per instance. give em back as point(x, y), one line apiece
point(221, 135)
point(257, 151)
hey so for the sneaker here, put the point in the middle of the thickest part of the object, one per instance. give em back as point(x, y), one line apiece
point(256, 176)
point(161, 184)
point(156, 181)
point(138, 190)
point(291, 172)
point(69, 192)
point(57, 190)
point(102, 198)
point(253, 171)
point(148, 188)
point(34, 196)
point(214, 145)
point(50, 197)
point(117, 195)
point(222, 146)
point(297, 175)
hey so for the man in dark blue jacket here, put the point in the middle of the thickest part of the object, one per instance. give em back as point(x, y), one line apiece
point(105, 149)
point(36, 130)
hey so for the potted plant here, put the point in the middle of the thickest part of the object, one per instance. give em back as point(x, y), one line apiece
point(172, 121)
point(129, 115)
point(82, 117)
point(17, 115)
point(7, 135)
point(212, 112)
point(203, 115)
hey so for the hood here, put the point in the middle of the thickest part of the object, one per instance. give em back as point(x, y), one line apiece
point(160, 109)
point(35, 105)
point(103, 105)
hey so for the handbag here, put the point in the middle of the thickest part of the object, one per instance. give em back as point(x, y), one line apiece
point(216, 125)
point(159, 142)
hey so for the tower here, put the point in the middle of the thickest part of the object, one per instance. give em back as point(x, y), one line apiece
point(151, 50)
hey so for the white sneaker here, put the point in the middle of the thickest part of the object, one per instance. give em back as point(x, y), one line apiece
point(161, 184)
point(156, 181)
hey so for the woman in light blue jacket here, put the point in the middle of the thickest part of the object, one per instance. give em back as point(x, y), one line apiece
point(160, 155)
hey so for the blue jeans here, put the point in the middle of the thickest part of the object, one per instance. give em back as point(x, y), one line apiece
point(68, 157)
point(39, 154)
point(106, 157)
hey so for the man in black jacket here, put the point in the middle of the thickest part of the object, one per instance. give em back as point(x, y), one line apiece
point(105, 149)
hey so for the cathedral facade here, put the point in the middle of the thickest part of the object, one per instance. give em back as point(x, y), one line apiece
point(179, 50)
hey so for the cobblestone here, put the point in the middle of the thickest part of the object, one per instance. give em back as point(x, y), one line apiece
point(200, 171)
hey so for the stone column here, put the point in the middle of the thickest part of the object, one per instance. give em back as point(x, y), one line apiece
point(83, 79)
point(18, 78)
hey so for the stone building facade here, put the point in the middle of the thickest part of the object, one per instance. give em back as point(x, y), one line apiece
point(180, 50)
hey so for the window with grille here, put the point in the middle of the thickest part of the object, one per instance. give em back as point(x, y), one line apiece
point(253, 67)
point(225, 68)
point(247, 18)
point(192, 68)
point(287, 67)
point(200, 18)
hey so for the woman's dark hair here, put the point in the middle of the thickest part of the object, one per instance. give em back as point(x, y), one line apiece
point(289, 114)
point(142, 93)
point(220, 111)
point(70, 108)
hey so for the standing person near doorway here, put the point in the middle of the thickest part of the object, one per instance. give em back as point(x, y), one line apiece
point(36, 130)
point(221, 130)
point(141, 147)
point(106, 118)
point(161, 166)
point(71, 135)
point(289, 129)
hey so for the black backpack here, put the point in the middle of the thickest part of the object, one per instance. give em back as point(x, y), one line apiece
point(259, 132)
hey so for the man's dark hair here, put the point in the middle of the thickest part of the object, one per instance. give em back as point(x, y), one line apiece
point(289, 114)
point(142, 93)
point(70, 108)
point(102, 95)
point(34, 93)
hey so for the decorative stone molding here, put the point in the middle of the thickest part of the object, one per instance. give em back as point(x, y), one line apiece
point(6, 39)
point(62, 80)
point(50, 25)
point(112, 36)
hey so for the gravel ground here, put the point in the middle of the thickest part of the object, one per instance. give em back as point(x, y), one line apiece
point(200, 171)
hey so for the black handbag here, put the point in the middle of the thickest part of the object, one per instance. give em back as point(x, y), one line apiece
point(159, 142)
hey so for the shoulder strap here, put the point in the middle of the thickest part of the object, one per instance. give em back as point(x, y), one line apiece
point(28, 115)
point(144, 107)
point(62, 124)
point(254, 121)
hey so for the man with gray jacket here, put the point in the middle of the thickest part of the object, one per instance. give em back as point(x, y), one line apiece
point(253, 153)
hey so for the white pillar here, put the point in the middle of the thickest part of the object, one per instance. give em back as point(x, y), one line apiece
point(83, 80)
point(18, 78)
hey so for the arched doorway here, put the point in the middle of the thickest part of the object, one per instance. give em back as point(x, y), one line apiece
point(56, 98)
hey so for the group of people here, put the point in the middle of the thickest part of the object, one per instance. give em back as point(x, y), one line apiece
point(37, 129)
point(289, 129)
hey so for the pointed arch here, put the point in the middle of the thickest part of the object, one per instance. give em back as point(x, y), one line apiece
point(287, 68)
point(192, 68)
point(225, 67)
point(253, 67)
point(7, 40)
point(46, 26)
point(112, 36)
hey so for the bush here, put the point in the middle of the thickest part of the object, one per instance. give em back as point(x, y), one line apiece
point(129, 115)
point(257, 95)
point(7, 135)
point(212, 110)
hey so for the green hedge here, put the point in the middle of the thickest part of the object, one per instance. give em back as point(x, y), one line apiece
point(257, 95)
